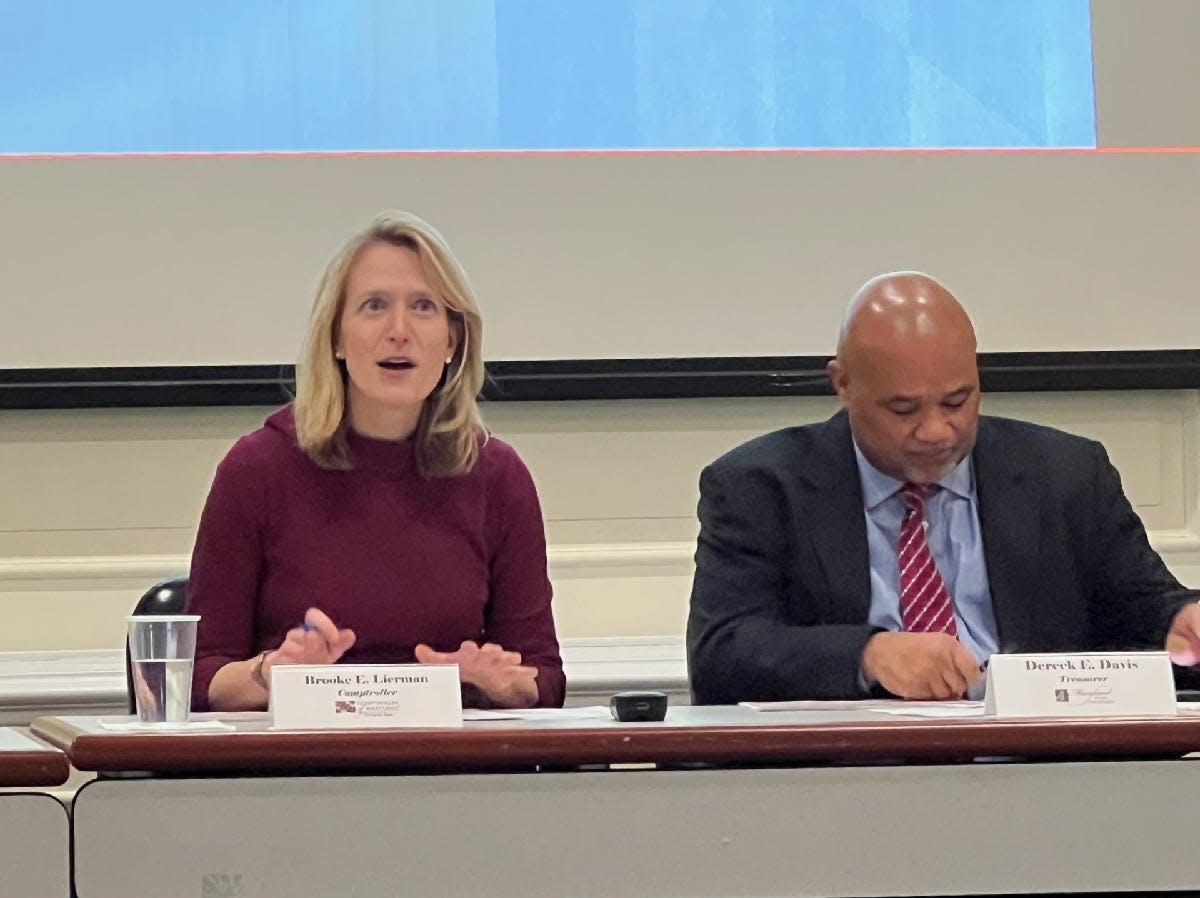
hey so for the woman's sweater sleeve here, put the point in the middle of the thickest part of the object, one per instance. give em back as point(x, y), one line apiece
point(519, 615)
point(227, 564)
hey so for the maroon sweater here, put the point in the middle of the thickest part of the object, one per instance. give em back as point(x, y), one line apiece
point(395, 557)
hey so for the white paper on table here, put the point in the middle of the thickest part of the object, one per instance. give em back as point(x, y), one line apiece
point(125, 725)
point(931, 709)
point(808, 705)
point(1190, 707)
point(592, 712)
point(11, 740)
point(481, 714)
point(886, 705)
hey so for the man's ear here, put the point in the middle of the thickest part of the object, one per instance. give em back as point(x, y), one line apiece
point(837, 376)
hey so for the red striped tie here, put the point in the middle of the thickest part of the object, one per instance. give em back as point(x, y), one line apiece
point(925, 604)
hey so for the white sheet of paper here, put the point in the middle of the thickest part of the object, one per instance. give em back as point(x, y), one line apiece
point(133, 725)
point(930, 709)
point(889, 706)
point(481, 714)
point(11, 740)
point(806, 706)
point(592, 712)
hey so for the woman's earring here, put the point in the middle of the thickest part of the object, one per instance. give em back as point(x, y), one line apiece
point(339, 355)
point(449, 359)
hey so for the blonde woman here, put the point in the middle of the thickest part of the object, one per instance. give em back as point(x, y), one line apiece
point(374, 519)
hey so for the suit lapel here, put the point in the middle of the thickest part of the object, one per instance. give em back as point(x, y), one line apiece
point(1008, 520)
point(839, 530)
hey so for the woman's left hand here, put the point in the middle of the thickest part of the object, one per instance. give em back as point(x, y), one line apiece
point(496, 672)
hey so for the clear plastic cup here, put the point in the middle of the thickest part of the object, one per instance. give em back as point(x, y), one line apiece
point(162, 651)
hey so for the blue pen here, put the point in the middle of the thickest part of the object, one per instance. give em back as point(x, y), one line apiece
point(308, 628)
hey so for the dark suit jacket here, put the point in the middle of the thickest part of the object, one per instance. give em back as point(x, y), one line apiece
point(782, 587)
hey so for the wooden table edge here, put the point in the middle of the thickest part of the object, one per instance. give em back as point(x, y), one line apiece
point(48, 766)
point(924, 740)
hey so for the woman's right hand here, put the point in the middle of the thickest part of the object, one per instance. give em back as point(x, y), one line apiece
point(318, 641)
point(243, 685)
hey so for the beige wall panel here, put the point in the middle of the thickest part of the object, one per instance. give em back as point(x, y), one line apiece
point(99, 504)
point(212, 261)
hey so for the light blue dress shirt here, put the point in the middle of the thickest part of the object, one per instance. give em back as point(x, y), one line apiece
point(952, 515)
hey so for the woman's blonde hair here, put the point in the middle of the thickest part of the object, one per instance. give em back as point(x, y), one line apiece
point(449, 430)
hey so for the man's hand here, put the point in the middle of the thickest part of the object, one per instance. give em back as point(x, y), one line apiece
point(489, 668)
point(920, 665)
point(1183, 639)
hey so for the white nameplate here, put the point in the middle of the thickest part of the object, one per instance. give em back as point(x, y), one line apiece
point(360, 696)
point(1093, 684)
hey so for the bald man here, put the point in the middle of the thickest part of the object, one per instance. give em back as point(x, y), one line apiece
point(893, 548)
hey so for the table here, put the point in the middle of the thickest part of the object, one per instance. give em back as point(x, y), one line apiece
point(828, 815)
point(691, 734)
point(35, 854)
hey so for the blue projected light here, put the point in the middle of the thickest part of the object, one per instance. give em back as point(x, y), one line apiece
point(309, 75)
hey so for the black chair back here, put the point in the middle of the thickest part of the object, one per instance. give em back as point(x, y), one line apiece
point(166, 597)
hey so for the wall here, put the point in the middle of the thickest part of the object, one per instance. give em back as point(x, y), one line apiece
point(99, 504)
point(202, 260)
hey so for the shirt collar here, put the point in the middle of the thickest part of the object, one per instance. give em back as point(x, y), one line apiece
point(878, 487)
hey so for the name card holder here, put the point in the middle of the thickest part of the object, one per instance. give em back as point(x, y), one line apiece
point(1092, 684)
point(365, 696)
